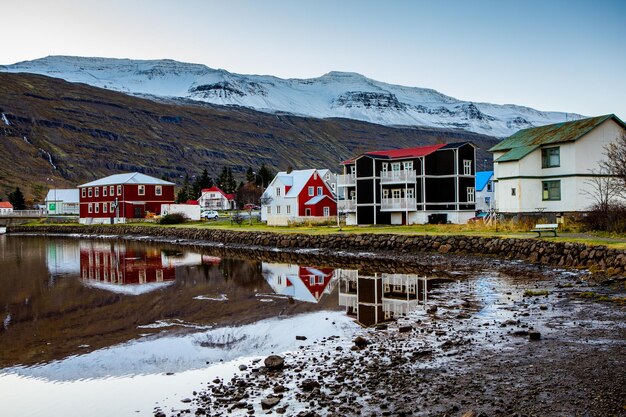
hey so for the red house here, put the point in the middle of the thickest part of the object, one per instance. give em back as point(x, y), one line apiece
point(297, 196)
point(115, 198)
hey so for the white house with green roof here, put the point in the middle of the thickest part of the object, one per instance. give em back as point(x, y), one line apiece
point(551, 168)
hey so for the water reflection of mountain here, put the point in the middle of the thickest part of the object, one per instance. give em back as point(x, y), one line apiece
point(303, 283)
point(377, 298)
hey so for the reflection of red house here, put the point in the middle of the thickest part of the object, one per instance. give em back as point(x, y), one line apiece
point(121, 266)
point(299, 282)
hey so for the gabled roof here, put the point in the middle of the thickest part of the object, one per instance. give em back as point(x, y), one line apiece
point(297, 179)
point(525, 141)
point(218, 190)
point(67, 195)
point(406, 152)
point(130, 178)
point(6, 205)
point(314, 200)
point(482, 178)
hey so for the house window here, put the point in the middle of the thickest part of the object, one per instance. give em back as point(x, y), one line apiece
point(111, 191)
point(97, 192)
point(550, 157)
point(141, 190)
point(104, 191)
point(471, 195)
point(326, 211)
point(489, 186)
point(277, 209)
point(90, 208)
point(385, 166)
point(353, 170)
point(288, 209)
point(395, 193)
point(97, 205)
point(385, 193)
point(269, 209)
point(119, 190)
point(105, 207)
point(513, 191)
point(467, 167)
point(90, 192)
point(83, 192)
point(112, 207)
point(395, 166)
point(311, 191)
point(551, 190)
point(352, 195)
point(488, 201)
point(408, 165)
point(410, 193)
point(158, 190)
point(332, 186)
point(277, 191)
point(319, 191)
point(307, 212)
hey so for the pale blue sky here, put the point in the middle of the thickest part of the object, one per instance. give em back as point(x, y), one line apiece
point(550, 55)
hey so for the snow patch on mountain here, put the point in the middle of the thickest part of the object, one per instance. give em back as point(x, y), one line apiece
point(336, 94)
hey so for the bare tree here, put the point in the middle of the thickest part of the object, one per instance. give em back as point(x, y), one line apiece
point(604, 188)
point(615, 164)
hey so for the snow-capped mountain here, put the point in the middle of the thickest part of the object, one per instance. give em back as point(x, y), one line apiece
point(336, 94)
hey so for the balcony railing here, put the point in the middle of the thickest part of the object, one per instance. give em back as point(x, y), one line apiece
point(398, 204)
point(397, 176)
point(346, 205)
point(346, 180)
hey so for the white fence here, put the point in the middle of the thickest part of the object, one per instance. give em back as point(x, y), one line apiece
point(397, 176)
point(23, 213)
point(398, 204)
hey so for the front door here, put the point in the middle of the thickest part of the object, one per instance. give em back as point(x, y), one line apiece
point(138, 212)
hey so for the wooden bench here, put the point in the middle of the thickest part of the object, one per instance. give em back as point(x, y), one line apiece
point(539, 228)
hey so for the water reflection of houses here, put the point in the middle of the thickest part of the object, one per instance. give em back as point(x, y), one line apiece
point(303, 283)
point(373, 299)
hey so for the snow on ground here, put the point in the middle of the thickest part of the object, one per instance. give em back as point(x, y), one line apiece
point(336, 94)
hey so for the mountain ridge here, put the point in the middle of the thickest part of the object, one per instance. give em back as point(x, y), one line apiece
point(334, 94)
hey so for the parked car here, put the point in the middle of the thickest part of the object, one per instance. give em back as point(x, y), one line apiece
point(480, 217)
point(209, 215)
point(250, 207)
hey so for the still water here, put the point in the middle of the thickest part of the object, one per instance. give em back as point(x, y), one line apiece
point(112, 327)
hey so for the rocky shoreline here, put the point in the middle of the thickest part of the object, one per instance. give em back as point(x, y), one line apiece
point(539, 251)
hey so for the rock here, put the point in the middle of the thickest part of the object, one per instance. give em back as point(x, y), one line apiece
point(274, 363)
point(185, 400)
point(159, 414)
point(300, 337)
point(382, 327)
point(405, 329)
point(543, 307)
point(470, 413)
point(534, 335)
point(360, 342)
point(431, 310)
point(242, 367)
point(269, 402)
point(309, 385)
point(279, 388)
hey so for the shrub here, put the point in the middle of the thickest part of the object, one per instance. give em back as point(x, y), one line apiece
point(608, 218)
point(173, 218)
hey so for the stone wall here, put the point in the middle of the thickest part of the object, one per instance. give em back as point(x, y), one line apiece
point(534, 250)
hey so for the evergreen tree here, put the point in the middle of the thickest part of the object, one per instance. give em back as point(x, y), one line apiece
point(266, 175)
point(222, 179)
point(183, 193)
point(250, 175)
point(16, 198)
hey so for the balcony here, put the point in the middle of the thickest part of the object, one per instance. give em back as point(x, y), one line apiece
point(346, 180)
point(397, 176)
point(346, 205)
point(398, 204)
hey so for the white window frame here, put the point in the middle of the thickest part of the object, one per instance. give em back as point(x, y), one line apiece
point(105, 208)
point(410, 193)
point(311, 191)
point(288, 209)
point(467, 167)
point(269, 209)
point(395, 167)
point(111, 190)
point(119, 190)
point(96, 192)
point(385, 166)
point(90, 192)
point(320, 191)
point(277, 209)
point(141, 189)
point(277, 191)
point(97, 208)
point(408, 165)
point(471, 195)
point(83, 192)
point(326, 211)
point(90, 208)
point(385, 193)
point(396, 193)
point(112, 207)
point(158, 190)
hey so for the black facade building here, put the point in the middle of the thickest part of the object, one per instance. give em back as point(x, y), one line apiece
point(410, 186)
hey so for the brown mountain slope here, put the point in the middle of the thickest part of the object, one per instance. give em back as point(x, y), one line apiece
point(90, 132)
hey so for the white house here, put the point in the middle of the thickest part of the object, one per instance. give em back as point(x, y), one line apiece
point(301, 195)
point(484, 191)
point(215, 199)
point(301, 283)
point(6, 208)
point(63, 201)
point(551, 168)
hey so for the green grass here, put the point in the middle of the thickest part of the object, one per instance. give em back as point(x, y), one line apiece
point(535, 293)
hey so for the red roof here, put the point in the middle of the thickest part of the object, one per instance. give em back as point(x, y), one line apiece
point(407, 152)
point(6, 204)
point(219, 190)
point(193, 202)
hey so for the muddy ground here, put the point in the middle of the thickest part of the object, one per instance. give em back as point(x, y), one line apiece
point(503, 339)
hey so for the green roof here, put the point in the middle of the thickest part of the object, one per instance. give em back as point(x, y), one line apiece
point(525, 141)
